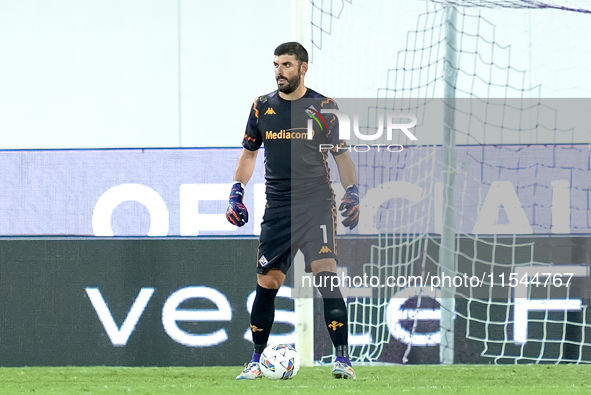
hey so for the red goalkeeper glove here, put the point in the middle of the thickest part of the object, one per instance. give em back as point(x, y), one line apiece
point(351, 206)
point(237, 214)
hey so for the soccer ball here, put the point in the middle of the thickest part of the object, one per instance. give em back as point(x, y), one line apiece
point(280, 362)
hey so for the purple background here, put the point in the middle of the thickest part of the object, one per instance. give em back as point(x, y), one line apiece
point(54, 192)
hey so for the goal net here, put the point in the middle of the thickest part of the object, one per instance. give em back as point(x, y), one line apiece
point(496, 186)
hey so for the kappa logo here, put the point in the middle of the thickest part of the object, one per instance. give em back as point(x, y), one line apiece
point(263, 261)
point(324, 250)
point(270, 111)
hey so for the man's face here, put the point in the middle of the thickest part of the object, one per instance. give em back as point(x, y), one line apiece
point(287, 73)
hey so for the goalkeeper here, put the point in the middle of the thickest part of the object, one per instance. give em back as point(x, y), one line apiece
point(300, 213)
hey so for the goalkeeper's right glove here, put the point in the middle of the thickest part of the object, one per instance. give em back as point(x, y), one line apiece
point(237, 214)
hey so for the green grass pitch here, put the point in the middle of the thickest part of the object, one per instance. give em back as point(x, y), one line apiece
point(465, 379)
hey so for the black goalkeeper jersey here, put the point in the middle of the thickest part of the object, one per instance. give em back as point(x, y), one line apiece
point(296, 168)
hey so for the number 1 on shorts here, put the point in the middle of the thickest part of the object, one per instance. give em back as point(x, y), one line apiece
point(324, 236)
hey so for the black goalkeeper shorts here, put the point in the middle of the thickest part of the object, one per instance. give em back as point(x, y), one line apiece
point(286, 229)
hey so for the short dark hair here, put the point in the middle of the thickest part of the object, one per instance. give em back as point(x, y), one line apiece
point(293, 48)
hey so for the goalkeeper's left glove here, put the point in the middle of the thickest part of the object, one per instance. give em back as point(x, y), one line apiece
point(351, 206)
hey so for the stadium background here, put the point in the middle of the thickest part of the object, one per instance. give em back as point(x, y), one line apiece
point(88, 78)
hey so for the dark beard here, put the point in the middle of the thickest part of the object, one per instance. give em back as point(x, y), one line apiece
point(291, 86)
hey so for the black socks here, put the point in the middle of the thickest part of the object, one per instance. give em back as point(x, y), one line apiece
point(335, 312)
point(262, 317)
